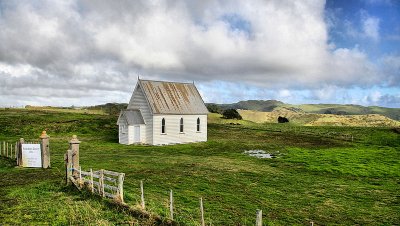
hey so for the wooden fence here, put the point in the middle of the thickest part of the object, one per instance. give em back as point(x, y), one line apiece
point(13, 150)
point(8, 149)
point(258, 217)
point(102, 182)
point(109, 184)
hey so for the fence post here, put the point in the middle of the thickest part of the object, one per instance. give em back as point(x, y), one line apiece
point(11, 151)
point(16, 150)
point(312, 223)
point(142, 196)
point(171, 205)
point(19, 156)
point(202, 212)
point(101, 183)
point(7, 150)
point(45, 150)
point(68, 166)
point(91, 181)
point(259, 218)
point(4, 148)
point(80, 177)
point(74, 146)
point(121, 186)
point(1, 152)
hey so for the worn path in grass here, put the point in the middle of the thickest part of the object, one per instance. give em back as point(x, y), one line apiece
point(320, 174)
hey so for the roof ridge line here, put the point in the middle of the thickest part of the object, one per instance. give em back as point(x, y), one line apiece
point(166, 81)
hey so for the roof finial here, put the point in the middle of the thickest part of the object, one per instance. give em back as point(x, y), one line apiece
point(138, 77)
point(193, 82)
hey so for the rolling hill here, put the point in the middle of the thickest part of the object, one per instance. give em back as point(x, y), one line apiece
point(313, 119)
point(326, 109)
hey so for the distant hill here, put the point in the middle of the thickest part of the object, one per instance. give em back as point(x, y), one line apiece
point(109, 108)
point(313, 119)
point(330, 109)
point(258, 105)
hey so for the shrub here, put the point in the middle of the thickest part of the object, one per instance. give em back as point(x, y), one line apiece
point(231, 114)
point(213, 108)
point(282, 119)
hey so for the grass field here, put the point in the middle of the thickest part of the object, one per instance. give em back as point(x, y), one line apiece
point(320, 175)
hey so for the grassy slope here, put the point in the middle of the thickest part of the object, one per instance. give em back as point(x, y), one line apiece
point(311, 119)
point(348, 109)
point(321, 175)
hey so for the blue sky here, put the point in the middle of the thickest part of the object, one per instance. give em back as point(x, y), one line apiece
point(351, 15)
point(91, 52)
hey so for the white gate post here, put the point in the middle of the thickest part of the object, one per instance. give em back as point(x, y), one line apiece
point(45, 150)
point(74, 147)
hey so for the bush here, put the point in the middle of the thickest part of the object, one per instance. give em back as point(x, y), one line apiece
point(282, 119)
point(213, 108)
point(231, 114)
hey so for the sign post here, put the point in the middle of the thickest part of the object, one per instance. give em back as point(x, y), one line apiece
point(31, 155)
point(34, 155)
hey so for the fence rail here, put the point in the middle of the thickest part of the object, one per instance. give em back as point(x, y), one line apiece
point(9, 149)
point(106, 186)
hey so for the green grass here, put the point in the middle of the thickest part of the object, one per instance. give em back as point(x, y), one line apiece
point(320, 175)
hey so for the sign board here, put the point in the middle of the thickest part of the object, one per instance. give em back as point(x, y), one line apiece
point(31, 155)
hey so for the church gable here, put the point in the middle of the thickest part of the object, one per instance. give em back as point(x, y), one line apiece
point(130, 117)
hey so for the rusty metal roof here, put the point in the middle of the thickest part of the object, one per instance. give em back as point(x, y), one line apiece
point(173, 97)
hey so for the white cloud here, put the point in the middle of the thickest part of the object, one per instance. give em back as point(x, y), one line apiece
point(284, 94)
point(374, 97)
point(324, 94)
point(97, 48)
point(391, 69)
point(377, 98)
point(367, 29)
point(370, 26)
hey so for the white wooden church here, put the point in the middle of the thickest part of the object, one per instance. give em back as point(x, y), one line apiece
point(163, 113)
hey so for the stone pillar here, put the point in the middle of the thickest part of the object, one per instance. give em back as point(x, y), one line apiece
point(45, 150)
point(74, 147)
point(19, 153)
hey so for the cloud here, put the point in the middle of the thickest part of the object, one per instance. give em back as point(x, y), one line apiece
point(93, 49)
point(391, 69)
point(377, 98)
point(374, 97)
point(370, 27)
point(367, 28)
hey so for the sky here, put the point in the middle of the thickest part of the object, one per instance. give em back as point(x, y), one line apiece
point(88, 52)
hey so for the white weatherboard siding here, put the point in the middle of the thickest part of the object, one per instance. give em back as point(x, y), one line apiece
point(123, 134)
point(172, 129)
point(143, 134)
point(138, 101)
point(130, 134)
